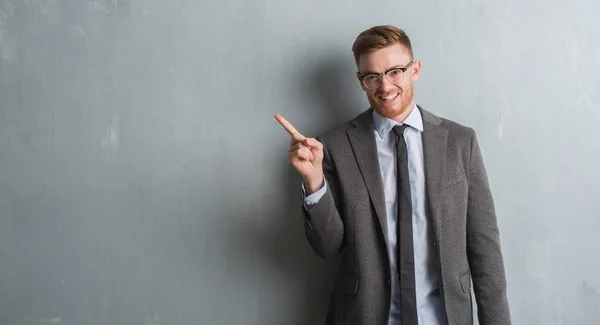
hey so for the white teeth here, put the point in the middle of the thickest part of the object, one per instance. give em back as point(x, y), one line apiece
point(389, 97)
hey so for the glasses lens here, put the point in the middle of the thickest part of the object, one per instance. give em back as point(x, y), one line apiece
point(372, 81)
point(395, 76)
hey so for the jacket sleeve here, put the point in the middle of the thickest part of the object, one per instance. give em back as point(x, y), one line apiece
point(483, 245)
point(323, 224)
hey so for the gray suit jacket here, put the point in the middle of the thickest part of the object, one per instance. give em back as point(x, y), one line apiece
point(350, 219)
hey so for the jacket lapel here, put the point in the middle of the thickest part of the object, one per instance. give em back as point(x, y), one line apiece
point(363, 143)
point(435, 139)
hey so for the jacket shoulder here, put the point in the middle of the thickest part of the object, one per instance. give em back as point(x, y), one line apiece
point(457, 129)
point(454, 129)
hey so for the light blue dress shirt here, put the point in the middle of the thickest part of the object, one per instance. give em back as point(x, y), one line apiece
point(430, 308)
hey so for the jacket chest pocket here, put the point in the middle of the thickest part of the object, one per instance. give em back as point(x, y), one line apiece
point(455, 179)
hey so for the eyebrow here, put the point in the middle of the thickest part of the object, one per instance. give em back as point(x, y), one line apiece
point(391, 68)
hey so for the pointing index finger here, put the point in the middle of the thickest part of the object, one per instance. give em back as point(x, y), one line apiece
point(289, 127)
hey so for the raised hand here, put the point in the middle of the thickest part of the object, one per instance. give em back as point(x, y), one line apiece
point(306, 155)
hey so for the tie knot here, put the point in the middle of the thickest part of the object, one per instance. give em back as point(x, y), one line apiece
point(399, 129)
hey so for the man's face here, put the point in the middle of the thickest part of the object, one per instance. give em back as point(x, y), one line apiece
point(392, 100)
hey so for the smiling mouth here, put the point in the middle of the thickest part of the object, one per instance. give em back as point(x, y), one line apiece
point(389, 97)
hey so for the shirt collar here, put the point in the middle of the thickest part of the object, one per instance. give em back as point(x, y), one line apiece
point(384, 125)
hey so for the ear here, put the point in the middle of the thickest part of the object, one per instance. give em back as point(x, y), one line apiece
point(416, 70)
point(360, 82)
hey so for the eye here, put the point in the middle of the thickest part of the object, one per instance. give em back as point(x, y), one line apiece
point(395, 72)
point(370, 77)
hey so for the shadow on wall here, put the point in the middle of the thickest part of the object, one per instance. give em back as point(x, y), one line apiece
point(334, 89)
point(278, 243)
point(331, 85)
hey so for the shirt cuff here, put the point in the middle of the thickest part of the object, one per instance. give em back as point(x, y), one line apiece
point(311, 200)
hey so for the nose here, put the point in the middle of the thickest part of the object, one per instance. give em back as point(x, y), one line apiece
point(386, 85)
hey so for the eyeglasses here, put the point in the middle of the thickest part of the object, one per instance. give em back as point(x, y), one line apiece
point(394, 76)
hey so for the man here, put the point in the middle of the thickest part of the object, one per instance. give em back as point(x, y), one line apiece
point(403, 196)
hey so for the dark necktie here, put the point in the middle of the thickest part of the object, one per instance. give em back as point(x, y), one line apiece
point(405, 259)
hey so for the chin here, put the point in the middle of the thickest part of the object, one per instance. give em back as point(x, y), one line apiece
point(389, 112)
